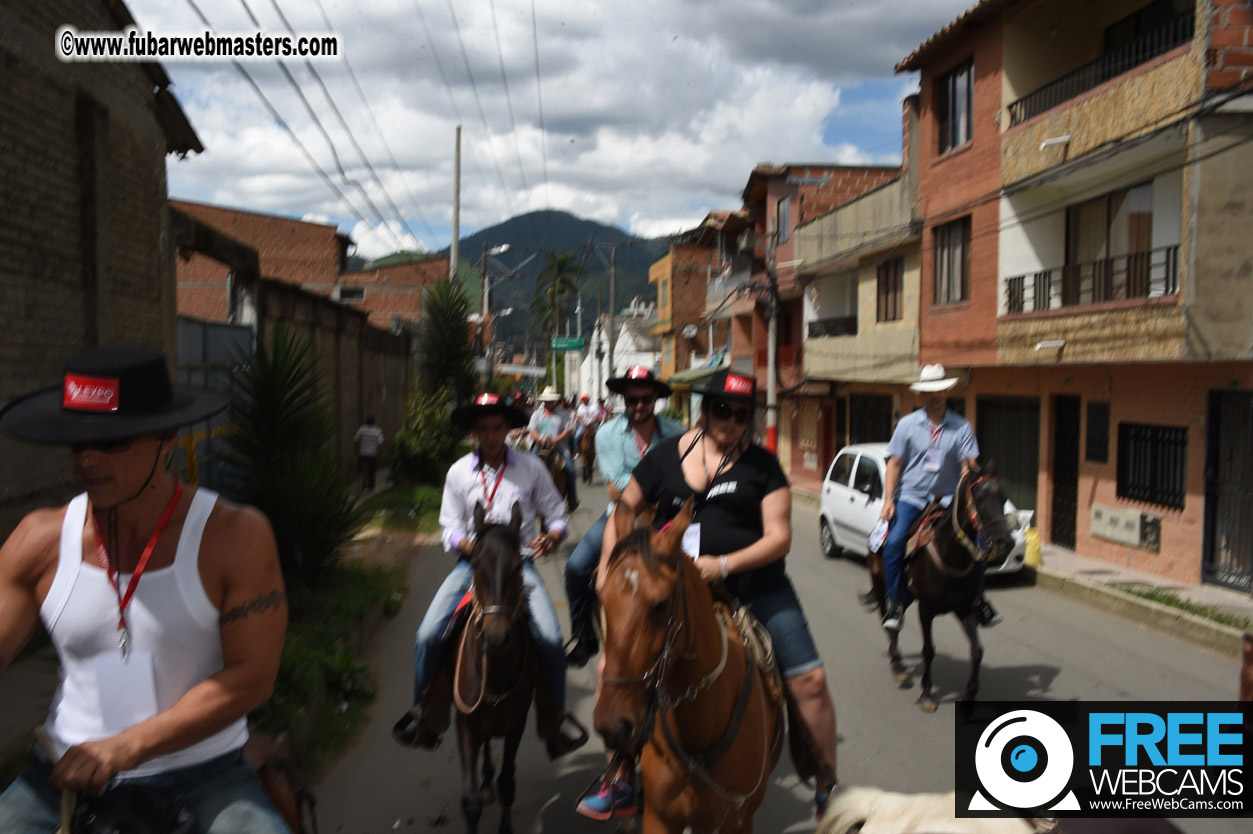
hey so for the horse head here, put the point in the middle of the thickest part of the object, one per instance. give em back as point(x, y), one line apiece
point(984, 500)
point(498, 588)
point(640, 598)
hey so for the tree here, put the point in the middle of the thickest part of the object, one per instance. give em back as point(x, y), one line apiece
point(446, 357)
point(556, 288)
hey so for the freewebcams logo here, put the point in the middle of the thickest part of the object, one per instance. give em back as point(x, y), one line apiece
point(1024, 760)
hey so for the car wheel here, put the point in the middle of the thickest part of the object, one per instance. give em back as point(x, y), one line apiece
point(827, 540)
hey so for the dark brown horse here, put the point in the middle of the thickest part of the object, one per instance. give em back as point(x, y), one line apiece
point(494, 681)
point(942, 573)
point(681, 691)
point(555, 462)
point(587, 452)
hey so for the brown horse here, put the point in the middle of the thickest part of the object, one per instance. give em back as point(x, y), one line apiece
point(942, 573)
point(587, 452)
point(555, 462)
point(494, 681)
point(680, 690)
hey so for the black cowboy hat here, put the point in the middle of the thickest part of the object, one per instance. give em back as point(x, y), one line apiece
point(728, 385)
point(638, 375)
point(107, 394)
point(485, 405)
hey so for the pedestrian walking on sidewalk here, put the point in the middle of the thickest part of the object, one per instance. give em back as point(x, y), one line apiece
point(157, 675)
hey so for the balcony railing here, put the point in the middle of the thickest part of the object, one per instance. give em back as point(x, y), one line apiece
point(789, 356)
point(1136, 275)
point(837, 326)
point(1110, 65)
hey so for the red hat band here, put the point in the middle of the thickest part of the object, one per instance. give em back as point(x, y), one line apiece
point(736, 384)
point(89, 393)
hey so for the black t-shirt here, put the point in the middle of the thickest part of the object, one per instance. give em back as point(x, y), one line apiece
point(729, 513)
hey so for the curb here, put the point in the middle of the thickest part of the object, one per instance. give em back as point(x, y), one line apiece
point(806, 497)
point(1225, 640)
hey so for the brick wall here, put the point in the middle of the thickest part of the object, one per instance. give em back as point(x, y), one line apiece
point(964, 181)
point(84, 251)
point(1229, 59)
point(845, 183)
point(396, 291)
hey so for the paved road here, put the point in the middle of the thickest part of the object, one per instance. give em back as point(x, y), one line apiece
point(1049, 648)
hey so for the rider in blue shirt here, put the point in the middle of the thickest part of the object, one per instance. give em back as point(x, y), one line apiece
point(620, 443)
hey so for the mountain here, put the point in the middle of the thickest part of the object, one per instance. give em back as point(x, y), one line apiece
point(530, 237)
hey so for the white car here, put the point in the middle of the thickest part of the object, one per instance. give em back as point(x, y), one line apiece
point(852, 498)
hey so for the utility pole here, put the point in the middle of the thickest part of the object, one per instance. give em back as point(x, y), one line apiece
point(454, 249)
point(598, 349)
point(487, 348)
point(613, 276)
point(578, 334)
point(772, 346)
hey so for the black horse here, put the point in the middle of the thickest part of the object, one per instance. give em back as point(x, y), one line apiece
point(494, 678)
point(942, 573)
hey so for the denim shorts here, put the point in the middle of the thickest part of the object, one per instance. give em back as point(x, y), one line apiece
point(775, 603)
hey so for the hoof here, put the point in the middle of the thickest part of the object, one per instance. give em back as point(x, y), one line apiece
point(901, 675)
point(927, 704)
point(488, 794)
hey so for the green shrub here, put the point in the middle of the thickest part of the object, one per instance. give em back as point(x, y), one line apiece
point(427, 444)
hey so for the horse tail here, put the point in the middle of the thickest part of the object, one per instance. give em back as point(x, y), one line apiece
point(806, 757)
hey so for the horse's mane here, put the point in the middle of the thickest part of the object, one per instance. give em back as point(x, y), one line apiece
point(637, 540)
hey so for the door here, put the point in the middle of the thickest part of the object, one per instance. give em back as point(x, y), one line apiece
point(1008, 429)
point(1228, 548)
point(867, 501)
point(1065, 502)
point(837, 495)
point(869, 418)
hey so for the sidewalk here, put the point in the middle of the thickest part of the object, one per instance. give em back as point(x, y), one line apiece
point(1102, 584)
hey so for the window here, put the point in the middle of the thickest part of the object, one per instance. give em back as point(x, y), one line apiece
point(841, 469)
point(667, 346)
point(868, 480)
point(1098, 432)
point(952, 261)
point(663, 293)
point(1153, 464)
point(783, 219)
point(350, 294)
point(891, 280)
point(1108, 245)
point(953, 106)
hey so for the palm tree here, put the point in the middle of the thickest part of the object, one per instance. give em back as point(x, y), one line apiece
point(446, 357)
point(556, 287)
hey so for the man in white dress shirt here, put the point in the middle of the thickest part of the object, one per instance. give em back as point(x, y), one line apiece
point(497, 477)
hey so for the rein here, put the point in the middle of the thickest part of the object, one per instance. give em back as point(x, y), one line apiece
point(970, 543)
point(475, 626)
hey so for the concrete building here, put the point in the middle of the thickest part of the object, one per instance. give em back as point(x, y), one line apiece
point(634, 345)
point(1086, 263)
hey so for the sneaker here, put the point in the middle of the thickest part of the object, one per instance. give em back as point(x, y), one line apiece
point(612, 799)
point(893, 618)
point(986, 614)
point(408, 732)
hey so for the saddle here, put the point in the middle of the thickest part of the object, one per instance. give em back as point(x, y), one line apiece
point(922, 532)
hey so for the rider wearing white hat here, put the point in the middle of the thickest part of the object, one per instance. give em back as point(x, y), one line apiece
point(551, 426)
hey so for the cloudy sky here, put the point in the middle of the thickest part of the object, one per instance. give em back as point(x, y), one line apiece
point(654, 112)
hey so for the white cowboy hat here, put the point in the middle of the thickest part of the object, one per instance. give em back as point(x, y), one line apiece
point(932, 379)
point(550, 395)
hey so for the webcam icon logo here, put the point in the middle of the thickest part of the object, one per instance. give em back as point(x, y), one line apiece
point(1024, 760)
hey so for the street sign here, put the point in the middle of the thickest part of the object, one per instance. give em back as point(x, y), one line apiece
point(567, 343)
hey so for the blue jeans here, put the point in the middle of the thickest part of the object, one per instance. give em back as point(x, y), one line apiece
point(223, 793)
point(894, 552)
point(545, 629)
point(572, 481)
point(579, 570)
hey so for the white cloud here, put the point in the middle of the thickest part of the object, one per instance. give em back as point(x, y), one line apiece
point(654, 111)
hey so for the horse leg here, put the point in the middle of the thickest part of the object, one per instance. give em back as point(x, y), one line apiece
point(928, 654)
point(471, 801)
point(507, 785)
point(899, 672)
point(487, 789)
point(971, 625)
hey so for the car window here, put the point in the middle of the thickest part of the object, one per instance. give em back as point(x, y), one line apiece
point(841, 469)
point(868, 480)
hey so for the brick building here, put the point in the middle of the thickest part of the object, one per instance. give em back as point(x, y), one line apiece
point(1086, 265)
point(86, 247)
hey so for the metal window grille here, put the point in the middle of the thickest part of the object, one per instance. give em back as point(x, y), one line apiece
point(1153, 464)
point(891, 280)
point(952, 261)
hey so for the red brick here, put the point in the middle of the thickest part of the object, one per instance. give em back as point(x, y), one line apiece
point(1241, 16)
point(1221, 79)
point(1237, 58)
point(1230, 37)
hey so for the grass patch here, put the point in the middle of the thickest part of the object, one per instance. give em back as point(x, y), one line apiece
point(411, 507)
point(1172, 599)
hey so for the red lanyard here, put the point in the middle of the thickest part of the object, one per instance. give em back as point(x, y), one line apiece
point(935, 435)
point(642, 447)
point(103, 555)
point(483, 474)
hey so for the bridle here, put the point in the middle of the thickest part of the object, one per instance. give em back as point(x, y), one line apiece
point(474, 630)
point(978, 552)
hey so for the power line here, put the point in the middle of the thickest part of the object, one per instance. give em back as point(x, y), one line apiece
point(370, 111)
point(500, 52)
point(351, 136)
point(274, 114)
point(322, 129)
point(491, 142)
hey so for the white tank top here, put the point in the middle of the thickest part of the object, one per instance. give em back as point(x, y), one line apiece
point(169, 616)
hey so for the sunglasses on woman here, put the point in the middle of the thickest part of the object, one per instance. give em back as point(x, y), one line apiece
point(722, 411)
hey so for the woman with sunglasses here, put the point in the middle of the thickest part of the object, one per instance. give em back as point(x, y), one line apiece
point(743, 514)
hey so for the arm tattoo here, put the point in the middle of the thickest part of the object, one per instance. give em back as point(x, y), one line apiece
point(266, 602)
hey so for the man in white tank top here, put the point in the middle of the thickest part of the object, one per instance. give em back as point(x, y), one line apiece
point(165, 604)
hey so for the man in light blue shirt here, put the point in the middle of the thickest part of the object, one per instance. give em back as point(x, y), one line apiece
point(620, 443)
point(929, 450)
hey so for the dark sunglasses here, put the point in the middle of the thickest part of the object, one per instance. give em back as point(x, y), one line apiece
point(107, 447)
point(722, 411)
point(634, 401)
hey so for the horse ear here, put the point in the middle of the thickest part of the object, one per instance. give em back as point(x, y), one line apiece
point(669, 541)
point(480, 519)
point(515, 518)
